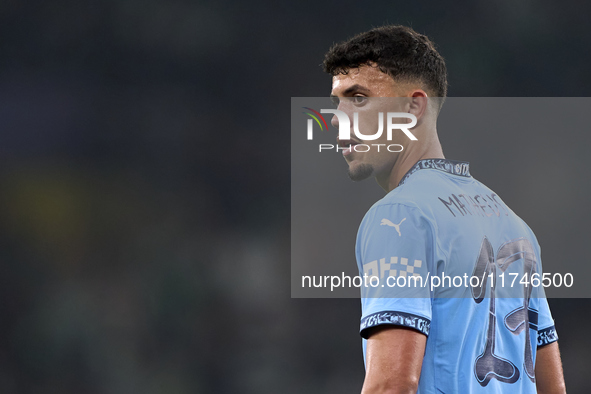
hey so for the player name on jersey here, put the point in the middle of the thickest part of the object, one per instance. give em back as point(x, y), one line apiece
point(474, 205)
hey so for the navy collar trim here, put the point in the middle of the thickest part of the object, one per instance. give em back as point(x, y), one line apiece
point(454, 167)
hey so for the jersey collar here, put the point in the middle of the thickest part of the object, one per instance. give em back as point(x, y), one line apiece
point(454, 167)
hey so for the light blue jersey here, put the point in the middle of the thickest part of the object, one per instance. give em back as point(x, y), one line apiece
point(471, 260)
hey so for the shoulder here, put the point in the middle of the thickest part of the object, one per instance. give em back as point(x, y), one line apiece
point(415, 195)
point(396, 219)
point(393, 207)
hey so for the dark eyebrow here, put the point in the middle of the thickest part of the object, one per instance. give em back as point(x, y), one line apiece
point(352, 89)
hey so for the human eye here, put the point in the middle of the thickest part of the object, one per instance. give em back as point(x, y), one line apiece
point(359, 100)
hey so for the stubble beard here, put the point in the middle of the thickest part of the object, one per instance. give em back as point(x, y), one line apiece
point(360, 172)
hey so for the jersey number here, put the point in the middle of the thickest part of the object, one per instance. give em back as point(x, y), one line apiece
point(489, 365)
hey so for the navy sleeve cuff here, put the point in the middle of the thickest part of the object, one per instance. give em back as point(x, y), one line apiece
point(547, 336)
point(419, 323)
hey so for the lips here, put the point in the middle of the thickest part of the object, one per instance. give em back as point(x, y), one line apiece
point(348, 151)
point(348, 144)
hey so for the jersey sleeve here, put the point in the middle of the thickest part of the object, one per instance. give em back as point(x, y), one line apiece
point(395, 258)
point(546, 329)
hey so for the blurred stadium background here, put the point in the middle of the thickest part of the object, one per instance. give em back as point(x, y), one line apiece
point(144, 184)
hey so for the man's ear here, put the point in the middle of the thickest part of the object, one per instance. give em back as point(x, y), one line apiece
point(418, 102)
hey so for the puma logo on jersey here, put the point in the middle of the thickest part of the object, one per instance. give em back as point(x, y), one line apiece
point(386, 222)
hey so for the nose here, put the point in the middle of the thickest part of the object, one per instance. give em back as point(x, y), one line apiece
point(335, 121)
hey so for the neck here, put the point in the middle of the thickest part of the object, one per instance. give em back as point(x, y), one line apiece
point(429, 149)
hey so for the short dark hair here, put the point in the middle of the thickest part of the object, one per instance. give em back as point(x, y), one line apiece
point(398, 51)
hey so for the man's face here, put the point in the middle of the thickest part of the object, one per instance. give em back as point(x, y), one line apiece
point(352, 91)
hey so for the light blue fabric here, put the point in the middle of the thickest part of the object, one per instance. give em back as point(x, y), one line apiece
point(441, 222)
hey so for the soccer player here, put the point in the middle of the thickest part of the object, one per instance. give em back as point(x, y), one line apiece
point(436, 220)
